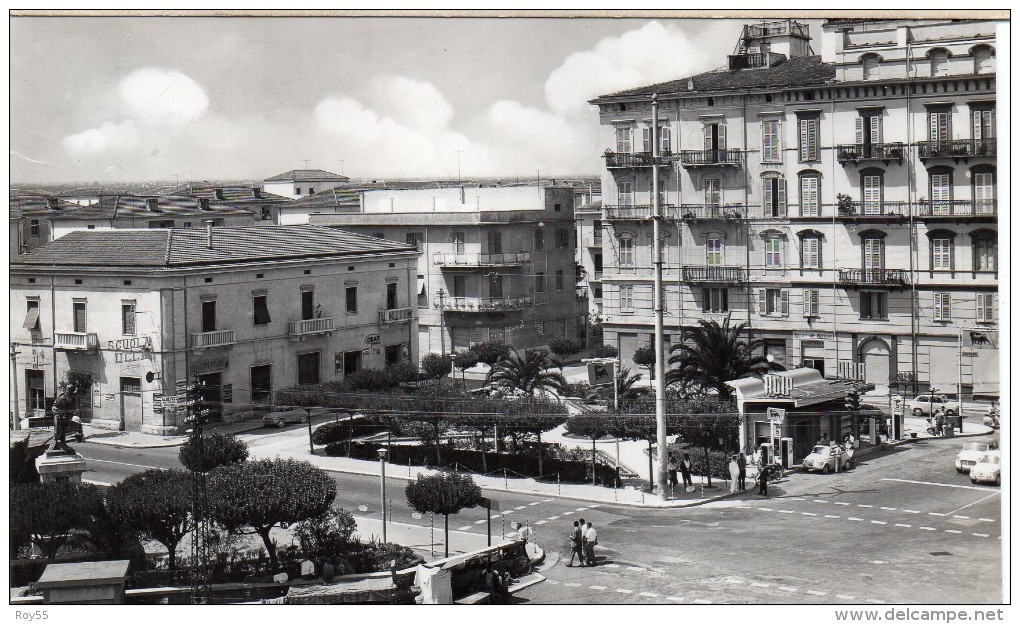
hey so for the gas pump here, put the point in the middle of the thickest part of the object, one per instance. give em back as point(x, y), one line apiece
point(896, 431)
point(786, 452)
point(767, 455)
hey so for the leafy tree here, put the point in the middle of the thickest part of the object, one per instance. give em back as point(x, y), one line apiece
point(712, 354)
point(564, 346)
point(627, 389)
point(155, 503)
point(46, 513)
point(529, 372)
point(217, 450)
point(445, 494)
point(254, 496)
point(595, 334)
point(464, 360)
point(435, 365)
point(645, 356)
point(589, 425)
point(76, 385)
point(490, 352)
point(604, 351)
point(706, 422)
point(329, 535)
point(532, 416)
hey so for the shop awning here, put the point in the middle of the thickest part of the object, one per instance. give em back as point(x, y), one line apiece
point(807, 387)
point(32, 318)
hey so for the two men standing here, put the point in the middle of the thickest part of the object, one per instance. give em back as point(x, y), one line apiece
point(583, 539)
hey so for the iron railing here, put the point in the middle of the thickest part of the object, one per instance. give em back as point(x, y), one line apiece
point(873, 277)
point(870, 151)
point(480, 259)
point(710, 211)
point(711, 157)
point(714, 274)
point(877, 209)
point(218, 338)
point(486, 304)
point(957, 148)
point(956, 208)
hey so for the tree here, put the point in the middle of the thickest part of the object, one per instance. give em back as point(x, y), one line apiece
point(435, 365)
point(75, 386)
point(645, 356)
point(46, 513)
point(445, 494)
point(329, 535)
point(529, 372)
point(22, 461)
point(627, 389)
point(533, 415)
point(254, 496)
point(217, 450)
point(464, 360)
point(490, 352)
point(564, 346)
point(155, 503)
point(706, 422)
point(589, 425)
point(712, 354)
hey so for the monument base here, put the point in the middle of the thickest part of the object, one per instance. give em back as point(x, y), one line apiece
point(105, 425)
point(57, 465)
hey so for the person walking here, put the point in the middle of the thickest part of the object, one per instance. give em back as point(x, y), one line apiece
point(671, 467)
point(576, 545)
point(685, 470)
point(734, 473)
point(742, 471)
point(763, 480)
point(591, 539)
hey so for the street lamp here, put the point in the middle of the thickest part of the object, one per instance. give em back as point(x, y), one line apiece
point(382, 487)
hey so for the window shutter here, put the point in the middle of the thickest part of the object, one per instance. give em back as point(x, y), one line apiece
point(722, 136)
point(781, 186)
point(708, 137)
point(809, 196)
point(989, 307)
point(767, 196)
point(803, 139)
point(876, 129)
point(762, 310)
point(859, 131)
point(982, 315)
point(976, 125)
point(129, 318)
point(766, 140)
point(646, 140)
point(784, 301)
point(664, 142)
point(943, 126)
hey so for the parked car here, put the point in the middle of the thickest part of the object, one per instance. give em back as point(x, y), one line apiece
point(925, 404)
point(283, 417)
point(969, 455)
point(986, 470)
point(827, 458)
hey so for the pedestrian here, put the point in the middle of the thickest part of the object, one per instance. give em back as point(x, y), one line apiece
point(734, 473)
point(576, 545)
point(581, 524)
point(763, 480)
point(591, 540)
point(671, 468)
point(742, 471)
point(685, 470)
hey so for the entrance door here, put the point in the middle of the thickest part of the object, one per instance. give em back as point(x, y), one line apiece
point(35, 392)
point(392, 354)
point(628, 344)
point(875, 353)
point(130, 404)
point(352, 362)
point(211, 394)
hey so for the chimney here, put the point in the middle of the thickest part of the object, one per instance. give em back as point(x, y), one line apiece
point(53, 203)
point(208, 233)
point(203, 203)
point(152, 204)
point(219, 193)
point(256, 192)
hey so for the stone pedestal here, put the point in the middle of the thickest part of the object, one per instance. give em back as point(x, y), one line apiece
point(56, 465)
point(89, 582)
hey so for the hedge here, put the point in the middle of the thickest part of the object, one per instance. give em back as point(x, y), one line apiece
point(718, 460)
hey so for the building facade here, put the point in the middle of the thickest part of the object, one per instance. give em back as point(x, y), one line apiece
point(497, 262)
point(30, 221)
point(298, 183)
point(244, 310)
point(844, 205)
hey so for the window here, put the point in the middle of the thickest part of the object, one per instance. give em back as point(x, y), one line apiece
point(809, 203)
point(540, 282)
point(266, 215)
point(596, 262)
point(868, 131)
point(539, 238)
point(260, 309)
point(811, 252)
point(983, 60)
point(623, 136)
point(596, 291)
point(458, 242)
point(986, 308)
point(715, 300)
point(35, 381)
point(939, 62)
point(626, 298)
point(79, 317)
point(391, 295)
point(982, 124)
point(559, 279)
point(625, 193)
point(209, 315)
point(562, 238)
point(460, 286)
point(874, 305)
point(943, 307)
point(871, 67)
point(873, 257)
point(297, 190)
point(938, 125)
point(774, 302)
point(942, 253)
point(773, 252)
point(261, 380)
point(940, 185)
point(770, 140)
point(715, 141)
point(811, 303)
point(665, 143)
point(983, 191)
point(808, 139)
point(774, 196)
point(495, 242)
point(597, 231)
point(352, 362)
point(307, 304)
point(32, 316)
point(872, 191)
point(127, 318)
point(713, 251)
point(33, 227)
point(351, 299)
point(417, 239)
point(308, 368)
point(496, 286)
point(627, 252)
point(986, 251)
point(713, 193)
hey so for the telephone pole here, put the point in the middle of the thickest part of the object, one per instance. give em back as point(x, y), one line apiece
point(660, 364)
point(442, 327)
point(14, 379)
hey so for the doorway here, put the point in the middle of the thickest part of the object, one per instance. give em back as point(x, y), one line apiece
point(211, 394)
point(130, 404)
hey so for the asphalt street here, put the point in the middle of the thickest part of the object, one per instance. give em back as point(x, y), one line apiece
point(902, 527)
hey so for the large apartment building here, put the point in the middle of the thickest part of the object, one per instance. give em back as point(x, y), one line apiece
point(843, 204)
point(244, 310)
point(497, 262)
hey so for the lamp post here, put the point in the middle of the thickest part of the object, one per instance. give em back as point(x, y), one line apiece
point(382, 488)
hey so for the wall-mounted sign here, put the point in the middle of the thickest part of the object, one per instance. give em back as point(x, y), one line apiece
point(142, 343)
point(814, 335)
point(97, 398)
point(157, 403)
point(373, 339)
point(227, 394)
point(210, 366)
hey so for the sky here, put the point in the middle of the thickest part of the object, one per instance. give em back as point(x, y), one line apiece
point(150, 98)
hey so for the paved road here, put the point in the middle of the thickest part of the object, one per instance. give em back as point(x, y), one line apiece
point(901, 527)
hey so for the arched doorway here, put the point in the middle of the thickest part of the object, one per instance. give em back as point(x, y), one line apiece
point(874, 352)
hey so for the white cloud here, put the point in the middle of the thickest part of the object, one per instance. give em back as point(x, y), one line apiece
point(107, 137)
point(412, 103)
point(162, 97)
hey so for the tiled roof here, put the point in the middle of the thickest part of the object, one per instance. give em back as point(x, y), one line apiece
point(341, 197)
point(235, 194)
point(174, 248)
point(36, 206)
point(133, 206)
point(307, 175)
point(793, 72)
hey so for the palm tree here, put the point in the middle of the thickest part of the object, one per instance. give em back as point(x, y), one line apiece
point(528, 372)
point(626, 387)
point(712, 354)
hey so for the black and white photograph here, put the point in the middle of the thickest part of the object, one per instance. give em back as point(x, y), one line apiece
point(686, 310)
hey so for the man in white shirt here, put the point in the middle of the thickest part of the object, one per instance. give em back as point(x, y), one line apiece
point(591, 537)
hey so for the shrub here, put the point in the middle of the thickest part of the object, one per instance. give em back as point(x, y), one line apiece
point(217, 450)
point(604, 351)
point(22, 462)
point(376, 557)
point(564, 346)
point(718, 460)
point(645, 356)
point(490, 352)
point(464, 360)
point(370, 379)
point(435, 365)
point(579, 389)
point(329, 535)
point(403, 372)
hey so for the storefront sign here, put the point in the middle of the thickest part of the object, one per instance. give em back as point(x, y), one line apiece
point(143, 343)
point(210, 366)
point(181, 386)
point(776, 415)
point(227, 394)
point(373, 339)
point(814, 335)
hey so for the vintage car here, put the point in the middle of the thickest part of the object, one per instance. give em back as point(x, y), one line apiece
point(282, 417)
point(969, 455)
point(986, 469)
point(828, 458)
point(925, 404)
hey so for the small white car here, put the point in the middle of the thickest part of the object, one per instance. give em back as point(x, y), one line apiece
point(969, 455)
point(827, 458)
point(283, 417)
point(986, 470)
point(924, 404)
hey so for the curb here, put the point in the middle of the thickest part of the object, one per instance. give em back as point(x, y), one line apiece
point(165, 443)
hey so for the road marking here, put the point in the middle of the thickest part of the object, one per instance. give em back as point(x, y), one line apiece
point(878, 522)
point(874, 601)
point(911, 511)
point(594, 506)
point(962, 517)
point(887, 508)
point(807, 513)
point(649, 594)
point(675, 598)
point(496, 517)
point(508, 511)
point(948, 485)
point(734, 581)
point(905, 526)
point(548, 500)
point(818, 500)
point(983, 498)
point(852, 519)
point(541, 522)
point(985, 520)
point(635, 569)
point(571, 584)
point(567, 513)
point(979, 534)
point(701, 601)
point(785, 511)
point(621, 590)
point(765, 509)
point(816, 593)
point(839, 503)
point(611, 565)
point(534, 503)
point(788, 589)
point(520, 508)
point(552, 581)
point(580, 509)
point(757, 584)
point(480, 521)
point(953, 531)
point(551, 518)
point(465, 528)
point(845, 597)
point(870, 506)
point(796, 499)
point(927, 528)
point(935, 513)
point(598, 587)
point(832, 516)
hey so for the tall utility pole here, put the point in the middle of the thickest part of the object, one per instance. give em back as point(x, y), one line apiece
point(659, 383)
point(14, 380)
point(459, 152)
point(442, 327)
point(341, 165)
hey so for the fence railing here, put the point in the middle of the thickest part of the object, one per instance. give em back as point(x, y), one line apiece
point(216, 338)
point(703, 158)
point(76, 341)
point(956, 207)
point(956, 148)
point(873, 277)
point(870, 151)
point(396, 315)
point(716, 274)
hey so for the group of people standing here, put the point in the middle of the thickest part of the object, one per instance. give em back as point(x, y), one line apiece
point(738, 472)
point(683, 465)
point(583, 539)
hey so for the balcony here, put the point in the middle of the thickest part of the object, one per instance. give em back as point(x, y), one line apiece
point(219, 338)
point(878, 211)
point(710, 158)
point(475, 260)
point(76, 341)
point(396, 315)
point(595, 241)
point(486, 304)
point(748, 61)
point(956, 149)
point(596, 276)
point(638, 212)
point(714, 274)
point(310, 327)
point(953, 209)
point(729, 212)
point(885, 152)
point(635, 160)
point(895, 278)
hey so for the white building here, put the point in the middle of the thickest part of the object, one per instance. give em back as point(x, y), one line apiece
point(302, 182)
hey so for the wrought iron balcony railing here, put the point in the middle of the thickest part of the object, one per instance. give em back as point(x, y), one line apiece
point(631, 160)
point(949, 208)
point(856, 152)
point(714, 274)
point(710, 158)
point(957, 148)
point(638, 212)
point(480, 259)
point(714, 212)
point(872, 209)
point(873, 277)
point(486, 304)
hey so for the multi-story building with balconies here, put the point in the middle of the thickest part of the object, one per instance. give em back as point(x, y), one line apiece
point(497, 262)
point(844, 204)
point(244, 310)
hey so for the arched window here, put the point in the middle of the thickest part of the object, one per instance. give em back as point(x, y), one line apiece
point(871, 66)
point(810, 191)
point(810, 249)
point(939, 59)
point(940, 189)
point(983, 56)
point(985, 245)
point(941, 250)
point(982, 185)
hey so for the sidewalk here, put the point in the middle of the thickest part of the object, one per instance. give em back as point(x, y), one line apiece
point(134, 439)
